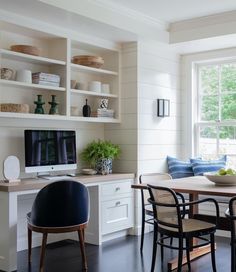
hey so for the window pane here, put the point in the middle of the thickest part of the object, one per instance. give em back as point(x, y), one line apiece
point(209, 108)
point(227, 140)
point(209, 80)
point(228, 77)
point(207, 142)
point(228, 107)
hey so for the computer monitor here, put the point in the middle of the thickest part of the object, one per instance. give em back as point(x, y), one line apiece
point(49, 150)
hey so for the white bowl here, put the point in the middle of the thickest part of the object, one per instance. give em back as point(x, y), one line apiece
point(226, 180)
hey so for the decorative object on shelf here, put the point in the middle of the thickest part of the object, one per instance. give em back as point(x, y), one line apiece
point(105, 113)
point(87, 171)
point(103, 103)
point(11, 107)
point(74, 111)
point(95, 86)
point(72, 83)
point(91, 61)
point(86, 109)
point(24, 76)
point(54, 105)
point(11, 169)
point(80, 86)
point(39, 105)
point(46, 79)
point(99, 154)
point(6, 73)
point(26, 49)
point(163, 107)
point(106, 88)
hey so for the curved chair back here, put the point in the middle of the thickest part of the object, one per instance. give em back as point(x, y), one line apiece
point(151, 178)
point(165, 205)
point(61, 204)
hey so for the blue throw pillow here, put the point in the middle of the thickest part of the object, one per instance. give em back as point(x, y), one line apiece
point(178, 168)
point(200, 167)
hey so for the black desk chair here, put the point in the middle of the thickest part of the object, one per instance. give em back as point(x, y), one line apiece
point(60, 207)
point(231, 214)
point(169, 223)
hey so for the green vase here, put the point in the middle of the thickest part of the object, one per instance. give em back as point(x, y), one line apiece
point(39, 105)
point(54, 106)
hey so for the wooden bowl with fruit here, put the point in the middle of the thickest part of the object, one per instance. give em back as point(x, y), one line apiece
point(223, 177)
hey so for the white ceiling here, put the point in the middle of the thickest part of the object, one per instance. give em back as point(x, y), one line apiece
point(169, 11)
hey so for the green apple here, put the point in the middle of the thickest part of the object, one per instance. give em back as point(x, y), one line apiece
point(230, 172)
point(222, 172)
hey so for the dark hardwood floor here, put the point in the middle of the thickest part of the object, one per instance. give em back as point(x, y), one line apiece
point(119, 255)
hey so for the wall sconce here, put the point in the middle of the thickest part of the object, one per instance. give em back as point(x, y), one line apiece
point(163, 107)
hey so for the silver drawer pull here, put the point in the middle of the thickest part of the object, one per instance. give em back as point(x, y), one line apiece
point(117, 189)
point(117, 203)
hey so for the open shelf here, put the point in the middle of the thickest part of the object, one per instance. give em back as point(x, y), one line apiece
point(57, 117)
point(29, 58)
point(31, 85)
point(89, 93)
point(92, 70)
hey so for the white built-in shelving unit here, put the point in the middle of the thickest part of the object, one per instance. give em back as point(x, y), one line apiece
point(56, 53)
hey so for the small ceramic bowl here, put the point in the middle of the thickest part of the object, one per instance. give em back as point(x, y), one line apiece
point(6, 73)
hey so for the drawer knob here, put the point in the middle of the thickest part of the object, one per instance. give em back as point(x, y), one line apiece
point(117, 203)
point(117, 189)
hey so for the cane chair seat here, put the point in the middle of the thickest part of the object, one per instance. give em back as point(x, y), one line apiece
point(191, 225)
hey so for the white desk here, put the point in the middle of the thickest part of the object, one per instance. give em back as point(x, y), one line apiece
point(106, 192)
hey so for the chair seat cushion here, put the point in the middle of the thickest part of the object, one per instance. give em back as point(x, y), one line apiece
point(191, 225)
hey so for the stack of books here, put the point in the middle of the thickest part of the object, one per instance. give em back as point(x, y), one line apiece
point(105, 113)
point(46, 79)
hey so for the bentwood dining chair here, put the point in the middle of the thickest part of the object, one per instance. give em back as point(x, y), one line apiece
point(168, 222)
point(59, 207)
point(147, 212)
point(231, 214)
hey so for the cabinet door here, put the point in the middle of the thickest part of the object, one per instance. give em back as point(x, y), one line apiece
point(117, 215)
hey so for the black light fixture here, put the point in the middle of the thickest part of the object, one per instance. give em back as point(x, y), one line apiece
point(163, 107)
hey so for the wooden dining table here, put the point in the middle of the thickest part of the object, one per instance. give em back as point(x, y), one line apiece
point(196, 186)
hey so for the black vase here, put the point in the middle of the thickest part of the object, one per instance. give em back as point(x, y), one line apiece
point(86, 110)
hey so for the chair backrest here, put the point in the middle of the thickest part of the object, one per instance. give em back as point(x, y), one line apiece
point(61, 204)
point(232, 212)
point(165, 206)
point(151, 178)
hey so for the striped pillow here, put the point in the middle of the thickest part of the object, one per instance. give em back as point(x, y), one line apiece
point(178, 168)
point(200, 167)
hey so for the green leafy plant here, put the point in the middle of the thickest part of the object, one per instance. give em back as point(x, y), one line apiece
point(97, 150)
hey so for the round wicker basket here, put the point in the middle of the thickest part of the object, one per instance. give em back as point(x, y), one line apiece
point(11, 107)
point(91, 61)
point(26, 49)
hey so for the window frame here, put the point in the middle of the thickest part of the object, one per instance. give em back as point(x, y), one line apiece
point(198, 124)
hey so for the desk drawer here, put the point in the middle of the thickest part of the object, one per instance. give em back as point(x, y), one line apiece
point(117, 215)
point(114, 189)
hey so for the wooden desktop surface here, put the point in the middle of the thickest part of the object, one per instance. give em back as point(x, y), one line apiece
point(38, 183)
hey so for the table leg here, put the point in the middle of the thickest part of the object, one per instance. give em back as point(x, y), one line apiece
point(8, 231)
point(197, 252)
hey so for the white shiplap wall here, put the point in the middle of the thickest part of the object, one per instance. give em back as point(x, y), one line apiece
point(158, 77)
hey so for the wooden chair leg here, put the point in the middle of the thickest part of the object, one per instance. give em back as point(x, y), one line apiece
point(188, 254)
point(154, 248)
point(142, 231)
point(42, 253)
point(162, 248)
point(29, 244)
point(180, 257)
point(82, 248)
point(213, 259)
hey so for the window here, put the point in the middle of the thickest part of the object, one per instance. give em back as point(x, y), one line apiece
point(216, 120)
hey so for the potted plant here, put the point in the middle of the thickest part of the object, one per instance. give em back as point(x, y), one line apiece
point(99, 154)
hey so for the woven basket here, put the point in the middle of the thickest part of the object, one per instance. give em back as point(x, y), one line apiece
point(91, 61)
point(26, 49)
point(10, 107)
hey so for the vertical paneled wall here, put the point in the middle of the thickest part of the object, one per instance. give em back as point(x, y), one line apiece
point(158, 77)
point(125, 133)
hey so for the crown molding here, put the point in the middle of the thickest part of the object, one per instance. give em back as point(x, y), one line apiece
point(133, 14)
